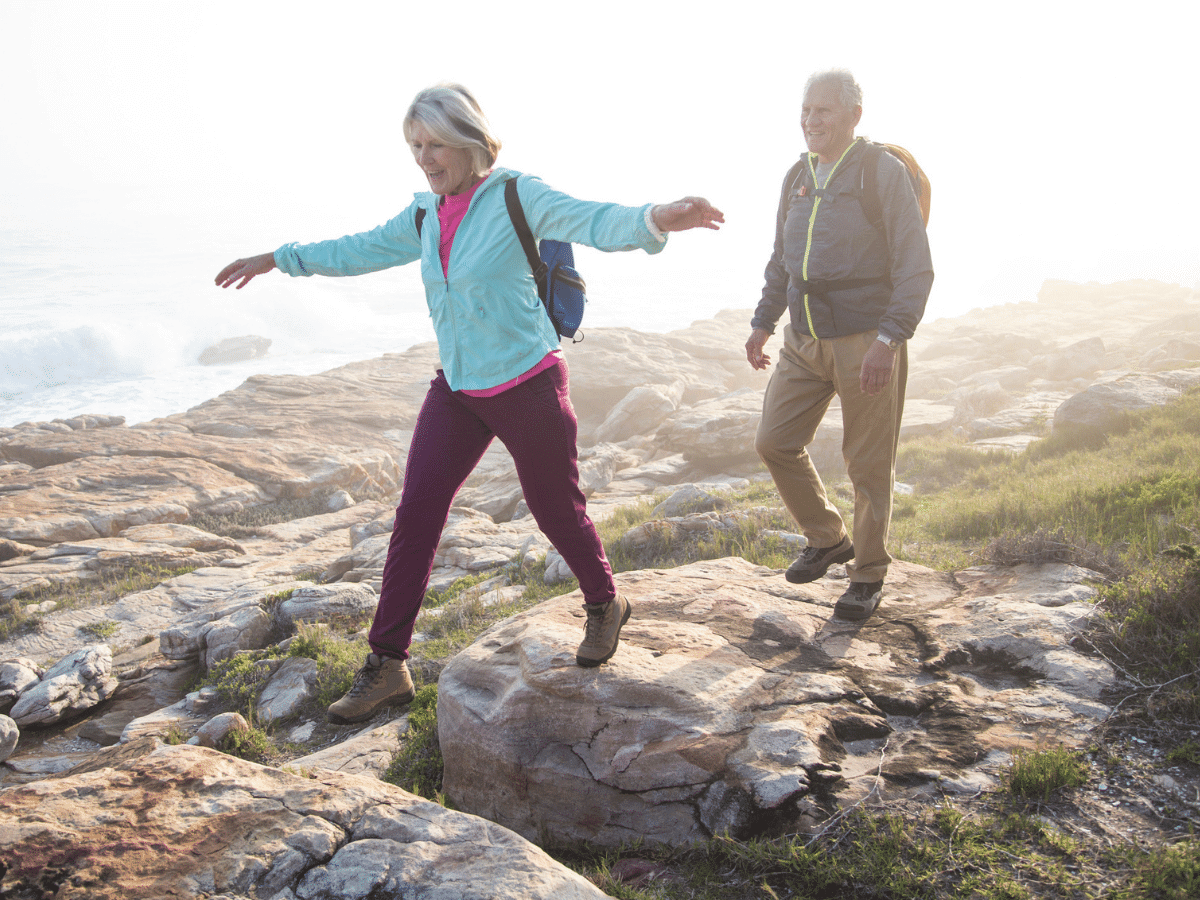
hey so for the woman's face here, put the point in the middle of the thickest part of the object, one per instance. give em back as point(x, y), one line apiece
point(447, 168)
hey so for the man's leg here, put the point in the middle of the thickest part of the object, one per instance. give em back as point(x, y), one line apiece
point(871, 430)
point(795, 401)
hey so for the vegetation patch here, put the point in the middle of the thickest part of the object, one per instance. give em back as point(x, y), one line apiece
point(100, 630)
point(246, 522)
point(417, 766)
point(253, 744)
point(1037, 774)
point(15, 620)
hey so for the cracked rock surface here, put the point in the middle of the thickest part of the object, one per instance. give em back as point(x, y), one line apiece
point(736, 698)
point(153, 821)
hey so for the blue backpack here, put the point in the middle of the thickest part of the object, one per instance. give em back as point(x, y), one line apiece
point(559, 285)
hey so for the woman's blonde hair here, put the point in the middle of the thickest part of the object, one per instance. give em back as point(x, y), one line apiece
point(454, 117)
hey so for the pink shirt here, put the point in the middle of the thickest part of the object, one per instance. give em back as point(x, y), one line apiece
point(451, 211)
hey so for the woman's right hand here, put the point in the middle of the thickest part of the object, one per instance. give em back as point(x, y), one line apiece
point(244, 269)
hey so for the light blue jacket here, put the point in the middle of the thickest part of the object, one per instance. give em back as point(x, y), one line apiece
point(490, 323)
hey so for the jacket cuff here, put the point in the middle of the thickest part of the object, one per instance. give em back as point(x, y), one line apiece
point(288, 261)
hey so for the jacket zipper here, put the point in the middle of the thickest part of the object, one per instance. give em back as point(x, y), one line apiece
point(446, 275)
point(812, 221)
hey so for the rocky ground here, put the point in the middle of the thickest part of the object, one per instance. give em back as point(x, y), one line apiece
point(736, 699)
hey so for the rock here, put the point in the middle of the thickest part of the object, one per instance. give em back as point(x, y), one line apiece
point(72, 561)
point(1106, 404)
point(16, 677)
point(718, 432)
point(176, 535)
point(339, 500)
point(187, 717)
point(161, 683)
point(980, 400)
point(76, 683)
point(657, 532)
point(1079, 360)
point(9, 735)
point(369, 752)
point(12, 549)
point(735, 695)
point(293, 683)
point(99, 497)
point(689, 498)
point(246, 629)
point(153, 821)
point(641, 411)
point(557, 570)
point(216, 729)
point(235, 349)
point(323, 602)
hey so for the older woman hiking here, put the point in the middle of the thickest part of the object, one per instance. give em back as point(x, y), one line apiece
point(502, 374)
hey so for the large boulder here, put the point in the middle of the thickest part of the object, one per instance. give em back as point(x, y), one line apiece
point(736, 700)
point(74, 684)
point(640, 411)
point(9, 735)
point(147, 821)
point(717, 432)
point(1107, 404)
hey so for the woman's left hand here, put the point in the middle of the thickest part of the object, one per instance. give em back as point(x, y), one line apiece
point(690, 212)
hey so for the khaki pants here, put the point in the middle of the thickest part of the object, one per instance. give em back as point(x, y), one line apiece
point(809, 373)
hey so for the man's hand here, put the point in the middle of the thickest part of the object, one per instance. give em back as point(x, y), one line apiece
point(690, 212)
point(754, 349)
point(877, 367)
point(245, 269)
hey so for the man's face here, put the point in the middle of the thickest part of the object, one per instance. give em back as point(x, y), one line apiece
point(828, 125)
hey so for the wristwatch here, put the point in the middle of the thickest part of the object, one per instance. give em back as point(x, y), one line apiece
point(893, 345)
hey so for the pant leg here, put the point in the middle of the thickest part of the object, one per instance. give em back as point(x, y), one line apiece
point(536, 422)
point(447, 444)
point(871, 431)
point(796, 399)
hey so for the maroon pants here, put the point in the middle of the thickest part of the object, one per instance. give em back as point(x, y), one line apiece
point(537, 424)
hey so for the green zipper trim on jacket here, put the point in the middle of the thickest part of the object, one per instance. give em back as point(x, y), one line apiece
point(812, 221)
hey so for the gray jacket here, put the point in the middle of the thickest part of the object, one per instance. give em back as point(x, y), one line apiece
point(832, 270)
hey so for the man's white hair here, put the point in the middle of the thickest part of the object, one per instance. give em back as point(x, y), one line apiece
point(847, 88)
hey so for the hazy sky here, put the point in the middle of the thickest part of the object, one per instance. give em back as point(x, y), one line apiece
point(1058, 136)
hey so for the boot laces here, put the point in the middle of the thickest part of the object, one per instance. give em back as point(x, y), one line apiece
point(365, 679)
point(595, 621)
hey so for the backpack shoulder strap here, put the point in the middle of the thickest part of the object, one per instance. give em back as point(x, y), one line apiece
point(795, 175)
point(521, 226)
point(420, 217)
point(871, 204)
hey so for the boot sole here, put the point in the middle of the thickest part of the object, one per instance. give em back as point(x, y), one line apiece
point(401, 700)
point(857, 613)
point(588, 662)
point(797, 578)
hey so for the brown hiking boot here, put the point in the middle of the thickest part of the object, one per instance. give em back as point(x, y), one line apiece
point(815, 561)
point(602, 632)
point(860, 600)
point(383, 681)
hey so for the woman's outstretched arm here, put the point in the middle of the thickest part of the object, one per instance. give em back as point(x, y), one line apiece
point(685, 214)
point(244, 269)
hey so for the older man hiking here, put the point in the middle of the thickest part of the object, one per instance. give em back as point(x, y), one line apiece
point(851, 265)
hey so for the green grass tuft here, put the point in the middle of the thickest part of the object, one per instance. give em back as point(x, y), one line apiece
point(1036, 774)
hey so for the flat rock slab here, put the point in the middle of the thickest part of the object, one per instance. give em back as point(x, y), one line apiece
point(151, 821)
point(736, 699)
